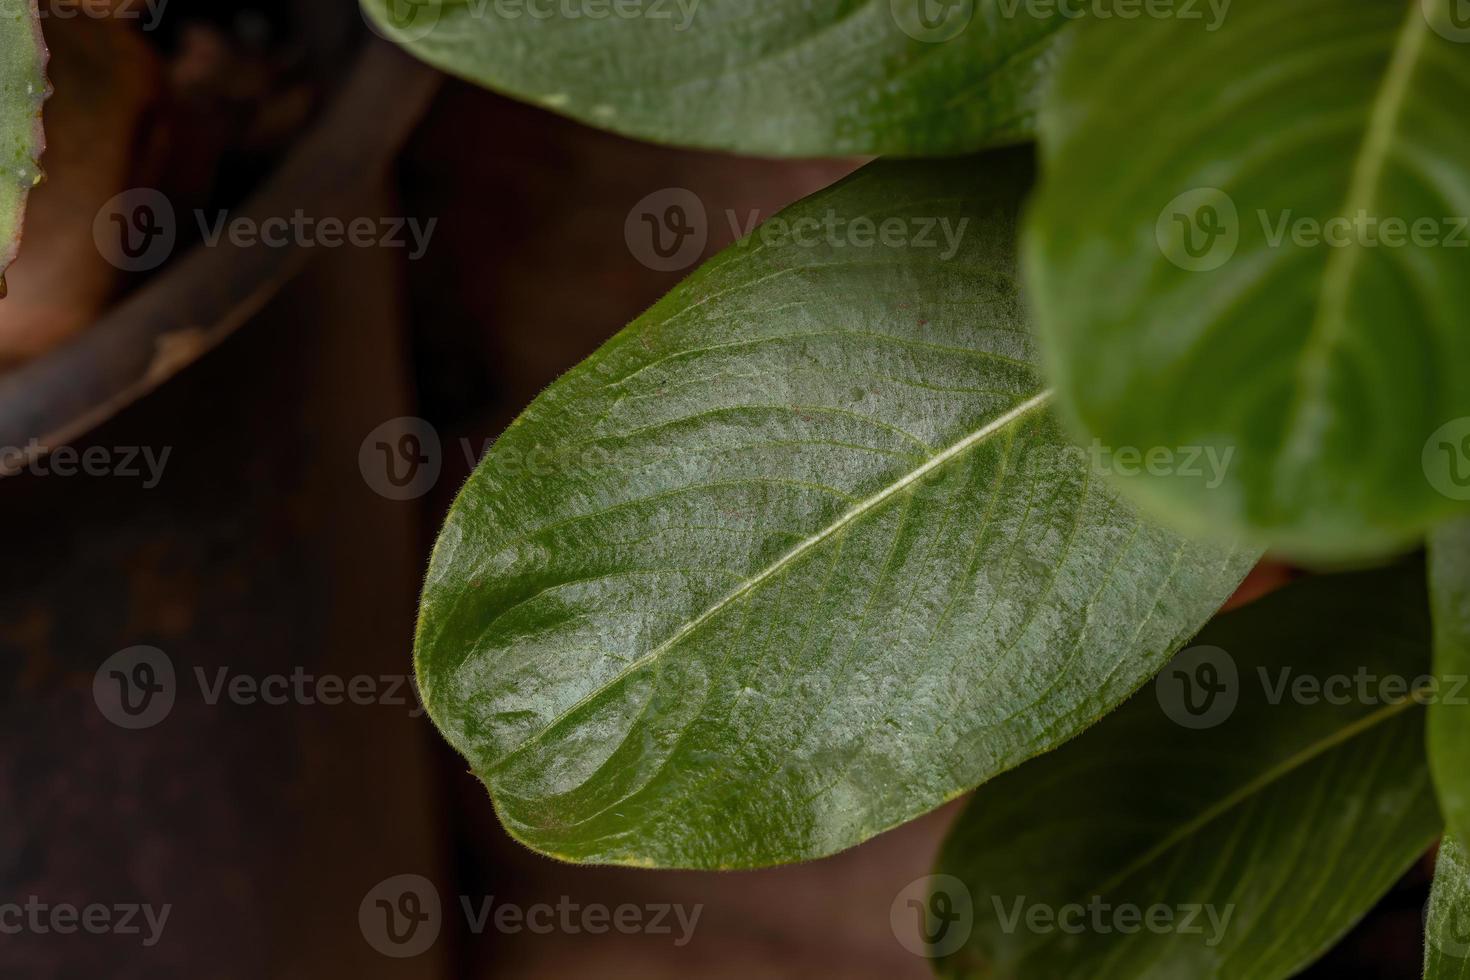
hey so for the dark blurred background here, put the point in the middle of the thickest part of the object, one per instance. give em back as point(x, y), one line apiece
point(271, 547)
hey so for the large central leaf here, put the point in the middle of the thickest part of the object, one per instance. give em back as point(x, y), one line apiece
point(22, 91)
point(1264, 250)
point(903, 77)
point(800, 554)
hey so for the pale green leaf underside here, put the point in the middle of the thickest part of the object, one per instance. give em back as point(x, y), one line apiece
point(820, 77)
point(1447, 926)
point(812, 561)
point(1292, 817)
point(22, 91)
point(1449, 719)
point(1326, 368)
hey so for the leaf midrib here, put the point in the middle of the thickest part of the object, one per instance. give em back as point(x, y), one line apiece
point(862, 507)
point(1325, 334)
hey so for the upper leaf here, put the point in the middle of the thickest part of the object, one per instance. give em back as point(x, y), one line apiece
point(1264, 250)
point(1449, 717)
point(22, 91)
point(1447, 926)
point(1233, 822)
point(834, 77)
point(800, 554)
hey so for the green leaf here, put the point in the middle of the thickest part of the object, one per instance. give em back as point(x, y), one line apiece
point(1449, 714)
point(820, 77)
point(1185, 300)
point(1280, 809)
point(1447, 927)
point(800, 554)
point(23, 89)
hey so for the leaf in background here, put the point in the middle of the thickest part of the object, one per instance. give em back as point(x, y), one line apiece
point(800, 554)
point(1185, 297)
point(1284, 822)
point(108, 81)
point(772, 77)
point(22, 92)
point(1449, 717)
point(1447, 927)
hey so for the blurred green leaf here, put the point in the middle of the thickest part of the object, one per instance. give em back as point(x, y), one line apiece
point(1268, 811)
point(820, 77)
point(1449, 715)
point(1264, 250)
point(22, 91)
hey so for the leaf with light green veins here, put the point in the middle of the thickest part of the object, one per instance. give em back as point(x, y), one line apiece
point(1447, 926)
point(1233, 821)
point(23, 89)
point(1263, 250)
point(1449, 714)
point(774, 77)
point(800, 554)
